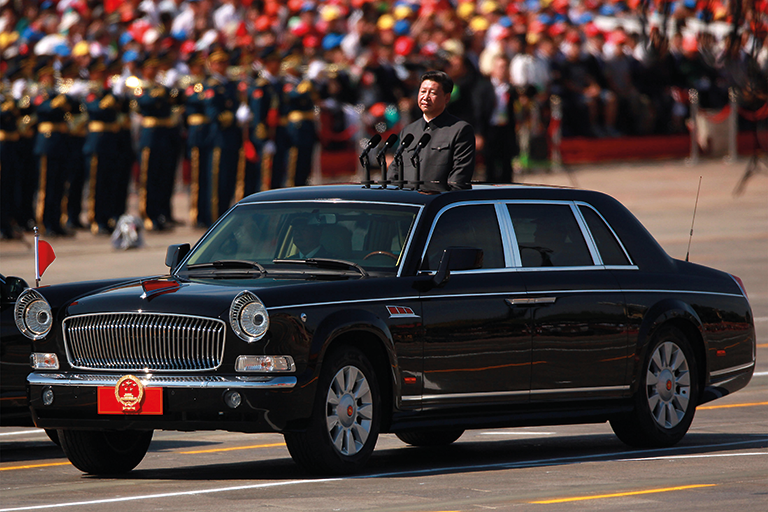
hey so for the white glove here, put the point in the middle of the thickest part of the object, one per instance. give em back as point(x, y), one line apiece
point(243, 114)
point(269, 148)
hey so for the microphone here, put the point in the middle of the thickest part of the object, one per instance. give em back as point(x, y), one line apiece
point(387, 144)
point(371, 144)
point(404, 144)
point(423, 141)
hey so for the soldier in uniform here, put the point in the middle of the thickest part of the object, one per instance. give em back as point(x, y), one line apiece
point(221, 102)
point(9, 153)
point(269, 137)
point(301, 98)
point(27, 126)
point(54, 109)
point(75, 89)
point(197, 151)
point(157, 162)
point(126, 155)
point(101, 151)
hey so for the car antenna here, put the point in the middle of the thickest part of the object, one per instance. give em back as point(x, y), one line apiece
point(695, 206)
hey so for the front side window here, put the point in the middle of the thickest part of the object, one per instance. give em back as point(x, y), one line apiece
point(467, 226)
point(548, 235)
point(368, 234)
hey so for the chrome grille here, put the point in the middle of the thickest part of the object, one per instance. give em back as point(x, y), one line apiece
point(144, 341)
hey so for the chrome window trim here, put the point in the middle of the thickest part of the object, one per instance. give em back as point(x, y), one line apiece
point(610, 228)
point(419, 208)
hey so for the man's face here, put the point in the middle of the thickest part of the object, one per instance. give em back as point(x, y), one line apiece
point(432, 100)
point(307, 237)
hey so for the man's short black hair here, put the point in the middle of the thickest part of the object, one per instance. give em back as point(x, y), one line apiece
point(440, 77)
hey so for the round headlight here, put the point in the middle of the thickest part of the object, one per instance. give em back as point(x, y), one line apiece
point(33, 314)
point(248, 317)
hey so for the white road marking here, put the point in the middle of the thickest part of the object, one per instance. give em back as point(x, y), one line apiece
point(22, 432)
point(671, 457)
point(760, 374)
point(620, 456)
point(512, 433)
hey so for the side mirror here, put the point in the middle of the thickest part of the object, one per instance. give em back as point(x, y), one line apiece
point(457, 258)
point(11, 287)
point(175, 254)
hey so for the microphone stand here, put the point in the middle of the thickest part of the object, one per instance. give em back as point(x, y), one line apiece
point(416, 161)
point(366, 163)
point(398, 164)
point(382, 160)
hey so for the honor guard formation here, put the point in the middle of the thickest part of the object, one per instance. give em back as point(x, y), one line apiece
point(135, 121)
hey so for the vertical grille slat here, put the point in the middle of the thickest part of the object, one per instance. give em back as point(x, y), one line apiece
point(144, 341)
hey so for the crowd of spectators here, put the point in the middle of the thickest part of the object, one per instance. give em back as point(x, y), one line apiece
point(619, 66)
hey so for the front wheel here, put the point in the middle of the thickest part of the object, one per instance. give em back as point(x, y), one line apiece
point(99, 452)
point(666, 399)
point(344, 426)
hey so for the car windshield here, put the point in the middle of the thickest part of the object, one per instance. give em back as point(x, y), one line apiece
point(368, 235)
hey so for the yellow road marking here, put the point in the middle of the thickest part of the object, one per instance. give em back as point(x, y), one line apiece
point(233, 449)
point(622, 494)
point(32, 466)
point(762, 345)
point(729, 406)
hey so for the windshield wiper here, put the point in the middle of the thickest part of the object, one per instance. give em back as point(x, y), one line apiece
point(229, 264)
point(328, 263)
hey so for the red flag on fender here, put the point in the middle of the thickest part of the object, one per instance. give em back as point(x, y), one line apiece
point(44, 256)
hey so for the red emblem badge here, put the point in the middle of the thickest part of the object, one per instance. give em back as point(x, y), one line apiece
point(258, 93)
point(287, 88)
point(90, 97)
point(209, 94)
point(129, 391)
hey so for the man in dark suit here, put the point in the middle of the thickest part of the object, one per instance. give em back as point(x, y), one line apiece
point(449, 156)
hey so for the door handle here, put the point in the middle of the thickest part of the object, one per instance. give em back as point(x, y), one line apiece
point(531, 301)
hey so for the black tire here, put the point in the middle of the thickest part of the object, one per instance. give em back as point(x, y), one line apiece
point(345, 422)
point(429, 438)
point(53, 435)
point(99, 452)
point(665, 402)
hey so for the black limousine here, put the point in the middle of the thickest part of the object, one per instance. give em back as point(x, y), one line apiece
point(332, 314)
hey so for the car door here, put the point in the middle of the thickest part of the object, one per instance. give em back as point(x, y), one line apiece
point(476, 347)
point(579, 337)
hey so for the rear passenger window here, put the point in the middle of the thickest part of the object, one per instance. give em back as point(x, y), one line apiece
point(467, 226)
point(609, 248)
point(549, 236)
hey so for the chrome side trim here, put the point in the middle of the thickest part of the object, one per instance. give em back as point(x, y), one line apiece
point(598, 389)
point(496, 394)
point(164, 381)
point(733, 369)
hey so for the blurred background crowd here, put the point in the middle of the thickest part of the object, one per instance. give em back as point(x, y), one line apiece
point(234, 96)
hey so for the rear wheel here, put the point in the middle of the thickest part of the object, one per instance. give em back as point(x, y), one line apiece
point(666, 399)
point(428, 438)
point(344, 426)
point(99, 452)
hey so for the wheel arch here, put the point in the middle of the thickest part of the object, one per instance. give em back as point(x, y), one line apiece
point(677, 314)
point(369, 334)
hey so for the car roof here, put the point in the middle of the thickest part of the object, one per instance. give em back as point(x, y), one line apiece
point(424, 196)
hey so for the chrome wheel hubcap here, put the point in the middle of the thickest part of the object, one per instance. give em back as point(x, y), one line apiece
point(349, 410)
point(668, 385)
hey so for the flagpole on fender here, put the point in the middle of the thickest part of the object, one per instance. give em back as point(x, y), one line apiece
point(37, 258)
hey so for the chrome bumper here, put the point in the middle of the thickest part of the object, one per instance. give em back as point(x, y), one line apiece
point(164, 381)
